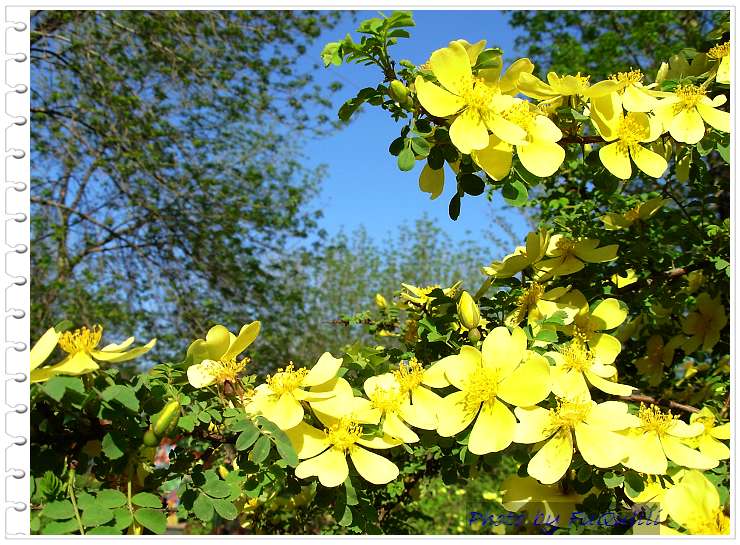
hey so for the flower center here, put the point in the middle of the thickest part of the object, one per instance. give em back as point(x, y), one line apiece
point(521, 114)
point(565, 245)
point(583, 330)
point(387, 400)
point(689, 96)
point(632, 215)
point(409, 376)
point(81, 340)
point(286, 380)
point(653, 419)
point(629, 133)
point(567, 414)
point(528, 300)
point(627, 78)
point(480, 386)
point(477, 95)
point(226, 370)
point(576, 356)
point(719, 51)
point(343, 434)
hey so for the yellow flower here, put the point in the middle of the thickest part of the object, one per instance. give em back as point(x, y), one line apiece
point(657, 355)
point(707, 442)
point(594, 425)
point(641, 212)
point(413, 380)
point(526, 492)
point(213, 359)
point(557, 90)
point(626, 133)
point(476, 103)
point(503, 371)
point(679, 67)
point(588, 326)
point(659, 437)
point(575, 367)
point(324, 453)
point(683, 114)
point(705, 324)
point(624, 281)
point(535, 304)
point(694, 504)
point(627, 92)
point(537, 149)
point(567, 256)
point(694, 281)
point(279, 399)
point(721, 53)
point(391, 400)
point(81, 347)
point(523, 257)
point(653, 494)
point(420, 296)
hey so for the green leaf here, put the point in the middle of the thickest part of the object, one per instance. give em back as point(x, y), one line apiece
point(633, 483)
point(146, 499)
point(123, 518)
point(489, 58)
point(95, 515)
point(724, 151)
point(225, 509)
point(216, 489)
point(515, 193)
point(472, 184)
point(406, 159)
point(612, 480)
point(111, 498)
point(203, 507)
point(123, 395)
point(152, 519)
point(187, 423)
point(547, 335)
point(113, 446)
point(56, 387)
point(331, 54)
point(454, 208)
point(420, 146)
point(60, 528)
point(285, 449)
point(59, 510)
point(247, 438)
point(261, 450)
point(103, 531)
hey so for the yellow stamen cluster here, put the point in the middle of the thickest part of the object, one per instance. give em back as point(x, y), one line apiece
point(528, 300)
point(576, 356)
point(689, 96)
point(627, 78)
point(582, 330)
point(387, 400)
point(565, 245)
point(521, 114)
point(582, 80)
point(343, 434)
point(633, 214)
point(409, 376)
point(226, 370)
point(653, 419)
point(716, 524)
point(629, 133)
point(477, 95)
point(481, 386)
point(719, 51)
point(286, 380)
point(568, 413)
point(81, 340)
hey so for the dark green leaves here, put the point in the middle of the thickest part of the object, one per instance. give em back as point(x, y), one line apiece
point(59, 510)
point(56, 387)
point(113, 445)
point(146, 499)
point(261, 450)
point(247, 438)
point(406, 159)
point(152, 519)
point(515, 193)
point(471, 184)
point(122, 395)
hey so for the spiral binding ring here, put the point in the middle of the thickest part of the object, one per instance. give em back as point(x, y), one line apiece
point(16, 305)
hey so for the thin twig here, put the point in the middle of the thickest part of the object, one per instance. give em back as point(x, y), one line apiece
point(660, 402)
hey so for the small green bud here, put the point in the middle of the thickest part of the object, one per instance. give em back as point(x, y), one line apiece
point(468, 311)
point(474, 335)
point(166, 420)
point(398, 91)
point(150, 438)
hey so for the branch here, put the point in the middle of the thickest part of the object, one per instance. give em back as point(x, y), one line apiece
point(660, 402)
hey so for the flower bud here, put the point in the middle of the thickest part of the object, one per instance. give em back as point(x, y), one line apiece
point(398, 91)
point(380, 301)
point(468, 311)
point(164, 422)
point(150, 438)
point(474, 335)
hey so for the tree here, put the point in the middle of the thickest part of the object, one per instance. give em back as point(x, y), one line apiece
point(167, 171)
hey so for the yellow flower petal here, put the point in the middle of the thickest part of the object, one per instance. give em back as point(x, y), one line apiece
point(599, 447)
point(199, 375)
point(649, 162)
point(493, 430)
point(422, 412)
point(468, 132)
point(508, 82)
point(616, 161)
point(466, 363)
point(637, 99)
point(373, 467)
point(386, 441)
point(435, 100)
point(506, 130)
point(606, 112)
point(246, 337)
point(494, 159)
point(119, 357)
point(324, 370)
point(604, 347)
point(432, 181)
point(684, 456)
point(330, 467)
point(609, 386)
point(687, 126)
point(608, 314)
point(718, 119)
point(284, 411)
point(612, 416)
point(451, 66)
point(553, 459)
point(533, 426)
point(646, 455)
point(541, 157)
point(503, 351)
point(712, 448)
point(528, 384)
point(693, 499)
point(721, 432)
point(44, 347)
point(393, 426)
point(307, 440)
point(453, 416)
point(217, 340)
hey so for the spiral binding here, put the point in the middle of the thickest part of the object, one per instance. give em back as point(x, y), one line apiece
point(16, 295)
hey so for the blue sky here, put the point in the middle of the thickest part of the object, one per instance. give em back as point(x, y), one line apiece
point(363, 186)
